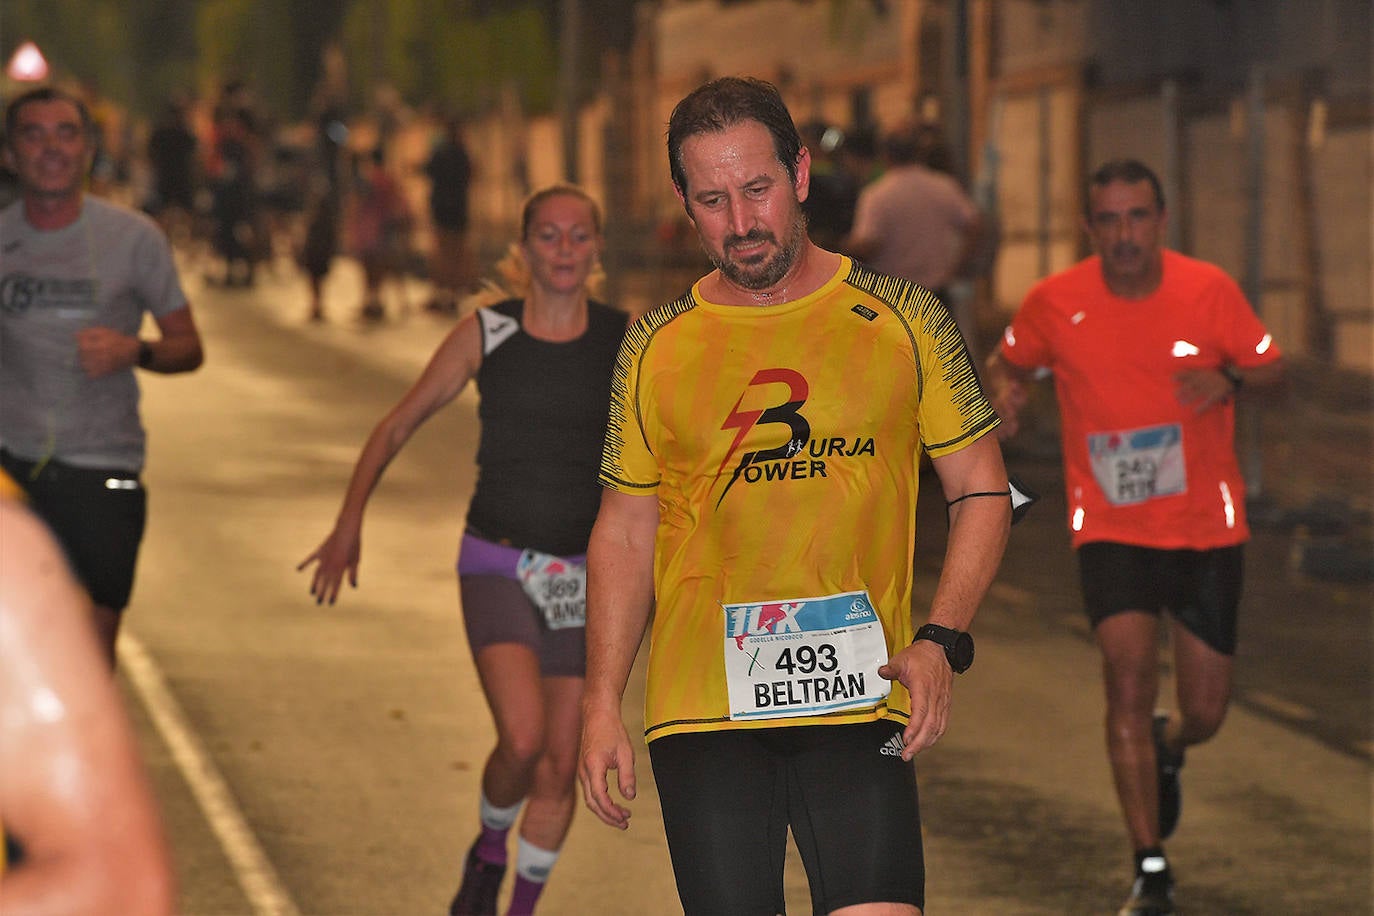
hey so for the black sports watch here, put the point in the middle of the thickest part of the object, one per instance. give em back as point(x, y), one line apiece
point(957, 644)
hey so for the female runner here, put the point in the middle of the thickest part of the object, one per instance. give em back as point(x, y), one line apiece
point(543, 365)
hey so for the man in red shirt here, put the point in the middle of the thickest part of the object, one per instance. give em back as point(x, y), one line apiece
point(1149, 350)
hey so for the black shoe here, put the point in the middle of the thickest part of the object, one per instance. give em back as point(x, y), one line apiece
point(1167, 765)
point(1152, 894)
point(481, 883)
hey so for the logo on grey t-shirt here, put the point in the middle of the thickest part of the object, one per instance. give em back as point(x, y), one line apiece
point(19, 292)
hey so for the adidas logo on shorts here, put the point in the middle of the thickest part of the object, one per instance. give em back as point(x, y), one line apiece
point(893, 746)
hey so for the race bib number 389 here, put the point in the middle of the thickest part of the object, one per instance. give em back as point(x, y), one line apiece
point(804, 656)
point(558, 587)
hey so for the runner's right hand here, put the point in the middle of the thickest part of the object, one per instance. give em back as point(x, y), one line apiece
point(337, 555)
point(605, 747)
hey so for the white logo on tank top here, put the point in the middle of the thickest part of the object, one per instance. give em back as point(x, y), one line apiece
point(496, 329)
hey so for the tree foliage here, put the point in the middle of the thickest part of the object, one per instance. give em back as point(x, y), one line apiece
point(81, 39)
point(457, 59)
point(460, 55)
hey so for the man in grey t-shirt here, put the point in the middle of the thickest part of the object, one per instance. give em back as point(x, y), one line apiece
point(77, 275)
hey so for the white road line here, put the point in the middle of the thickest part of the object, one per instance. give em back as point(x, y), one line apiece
point(254, 872)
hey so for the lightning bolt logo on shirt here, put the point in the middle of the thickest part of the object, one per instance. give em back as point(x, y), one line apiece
point(788, 413)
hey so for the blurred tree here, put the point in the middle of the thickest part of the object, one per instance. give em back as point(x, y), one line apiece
point(162, 52)
point(315, 25)
point(82, 40)
point(456, 53)
point(249, 40)
point(451, 54)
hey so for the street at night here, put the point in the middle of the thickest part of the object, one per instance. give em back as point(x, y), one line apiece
point(338, 749)
point(276, 274)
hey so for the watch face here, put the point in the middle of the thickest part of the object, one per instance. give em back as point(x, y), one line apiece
point(958, 645)
point(961, 653)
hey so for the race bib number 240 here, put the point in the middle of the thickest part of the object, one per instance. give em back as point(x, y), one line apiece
point(1134, 465)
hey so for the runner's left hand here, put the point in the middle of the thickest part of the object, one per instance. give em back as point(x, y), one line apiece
point(924, 671)
point(105, 350)
point(1202, 388)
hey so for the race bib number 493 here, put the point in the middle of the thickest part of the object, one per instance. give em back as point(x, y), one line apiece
point(804, 656)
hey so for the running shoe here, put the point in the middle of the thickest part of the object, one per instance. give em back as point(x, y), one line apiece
point(1152, 894)
point(1167, 765)
point(481, 882)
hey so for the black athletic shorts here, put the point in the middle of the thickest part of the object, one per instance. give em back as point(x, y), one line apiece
point(729, 797)
point(1199, 588)
point(96, 514)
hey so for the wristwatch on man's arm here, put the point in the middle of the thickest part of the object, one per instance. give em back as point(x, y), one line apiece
point(957, 644)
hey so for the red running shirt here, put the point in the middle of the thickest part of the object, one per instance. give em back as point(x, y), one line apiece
point(1139, 467)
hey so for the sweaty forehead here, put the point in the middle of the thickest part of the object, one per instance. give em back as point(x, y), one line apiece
point(731, 157)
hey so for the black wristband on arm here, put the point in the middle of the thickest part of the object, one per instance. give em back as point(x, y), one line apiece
point(145, 354)
point(1021, 497)
point(976, 495)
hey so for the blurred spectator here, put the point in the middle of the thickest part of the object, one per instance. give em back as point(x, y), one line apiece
point(914, 222)
point(859, 154)
point(450, 174)
point(172, 158)
point(331, 130)
point(829, 207)
point(235, 203)
point(321, 242)
point(284, 188)
point(378, 230)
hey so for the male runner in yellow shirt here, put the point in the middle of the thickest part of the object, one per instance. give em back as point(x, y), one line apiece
point(761, 472)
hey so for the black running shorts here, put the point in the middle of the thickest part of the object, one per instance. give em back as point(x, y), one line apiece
point(1199, 588)
point(729, 797)
point(96, 514)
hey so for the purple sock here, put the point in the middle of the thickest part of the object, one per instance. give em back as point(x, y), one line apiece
point(525, 895)
point(491, 845)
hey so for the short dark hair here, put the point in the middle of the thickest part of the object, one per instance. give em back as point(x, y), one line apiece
point(1130, 171)
point(555, 190)
point(913, 142)
point(46, 94)
point(723, 103)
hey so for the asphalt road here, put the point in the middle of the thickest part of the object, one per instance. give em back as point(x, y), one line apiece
point(325, 760)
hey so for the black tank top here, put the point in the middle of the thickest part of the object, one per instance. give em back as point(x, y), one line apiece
point(543, 409)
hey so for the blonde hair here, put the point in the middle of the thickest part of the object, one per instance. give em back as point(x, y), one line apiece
point(512, 280)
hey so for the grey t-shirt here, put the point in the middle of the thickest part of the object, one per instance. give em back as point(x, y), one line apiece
point(104, 270)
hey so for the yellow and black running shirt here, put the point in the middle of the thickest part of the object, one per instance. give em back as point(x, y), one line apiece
point(783, 445)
